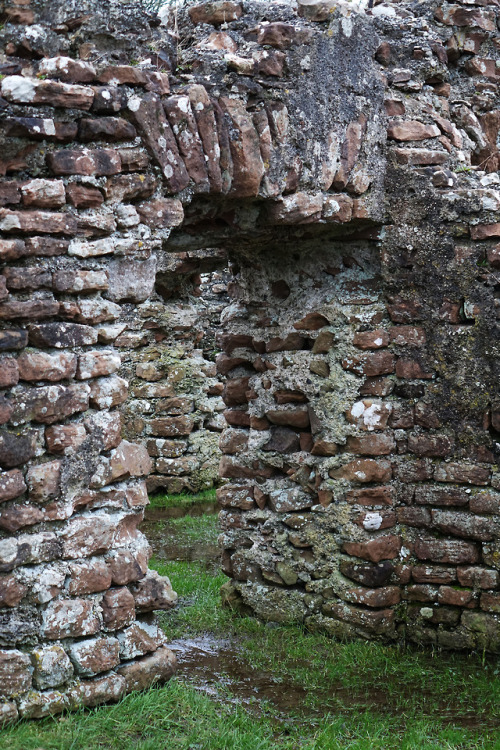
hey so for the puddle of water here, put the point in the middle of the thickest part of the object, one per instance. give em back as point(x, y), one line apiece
point(169, 543)
point(218, 668)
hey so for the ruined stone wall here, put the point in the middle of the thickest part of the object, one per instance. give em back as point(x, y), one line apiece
point(363, 459)
point(345, 164)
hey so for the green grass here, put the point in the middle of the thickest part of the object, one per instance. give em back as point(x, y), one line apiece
point(355, 696)
point(184, 500)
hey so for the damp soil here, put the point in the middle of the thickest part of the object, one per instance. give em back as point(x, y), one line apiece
point(219, 668)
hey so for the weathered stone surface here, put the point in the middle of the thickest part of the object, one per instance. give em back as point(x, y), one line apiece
point(28, 91)
point(118, 608)
point(12, 485)
point(42, 366)
point(95, 655)
point(153, 592)
point(155, 668)
point(52, 667)
point(73, 618)
point(131, 280)
point(150, 120)
point(15, 673)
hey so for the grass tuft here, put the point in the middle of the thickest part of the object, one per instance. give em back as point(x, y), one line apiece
point(184, 500)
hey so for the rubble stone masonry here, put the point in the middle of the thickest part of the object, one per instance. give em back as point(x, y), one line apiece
point(343, 164)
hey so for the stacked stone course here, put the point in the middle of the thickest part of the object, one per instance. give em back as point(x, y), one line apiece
point(345, 164)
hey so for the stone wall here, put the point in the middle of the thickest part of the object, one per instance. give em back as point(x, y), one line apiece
point(345, 163)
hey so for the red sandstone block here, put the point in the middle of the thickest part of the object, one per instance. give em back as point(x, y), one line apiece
point(457, 15)
point(292, 342)
point(83, 196)
point(431, 445)
point(467, 525)
point(44, 481)
point(485, 502)
point(446, 551)
point(462, 473)
point(9, 372)
point(458, 597)
point(107, 392)
point(294, 418)
point(371, 445)
point(156, 667)
point(15, 673)
point(215, 13)
point(10, 193)
point(411, 130)
point(369, 414)
point(385, 596)
point(153, 592)
point(71, 618)
point(38, 129)
point(12, 485)
point(97, 363)
point(420, 156)
point(89, 577)
point(127, 566)
point(61, 335)
point(29, 310)
point(139, 639)
point(434, 574)
point(11, 592)
point(79, 281)
point(484, 231)
point(20, 90)
point(85, 161)
point(44, 193)
point(380, 548)
point(60, 438)
point(19, 278)
point(371, 496)
point(371, 339)
point(43, 222)
point(43, 366)
point(106, 129)
point(422, 593)
point(493, 256)
point(378, 622)
point(490, 602)
point(66, 69)
point(48, 404)
point(129, 460)
point(380, 519)
point(482, 578)
point(405, 311)
point(376, 363)
point(407, 336)
point(12, 249)
point(161, 213)
point(432, 495)
point(410, 369)
point(363, 470)
point(234, 496)
point(412, 516)
point(173, 426)
point(95, 655)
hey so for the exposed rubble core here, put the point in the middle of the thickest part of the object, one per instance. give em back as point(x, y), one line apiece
point(342, 162)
